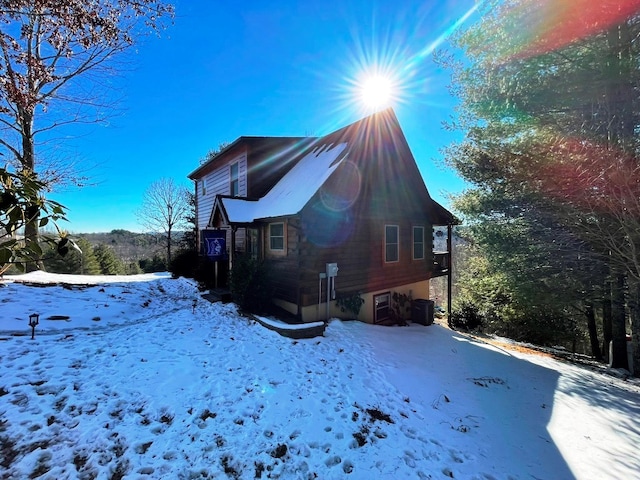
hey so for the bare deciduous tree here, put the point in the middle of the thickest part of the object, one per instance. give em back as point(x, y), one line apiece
point(51, 52)
point(165, 207)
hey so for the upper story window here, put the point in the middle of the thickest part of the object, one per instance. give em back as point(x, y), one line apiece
point(391, 243)
point(276, 237)
point(418, 243)
point(203, 186)
point(234, 180)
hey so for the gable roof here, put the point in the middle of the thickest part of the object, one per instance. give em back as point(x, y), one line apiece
point(252, 142)
point(360, 141)
point(292, 192)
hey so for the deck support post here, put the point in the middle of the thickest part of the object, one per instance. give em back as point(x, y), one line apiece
point(449, 274)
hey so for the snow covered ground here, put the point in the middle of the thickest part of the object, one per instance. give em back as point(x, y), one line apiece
point(126, 379)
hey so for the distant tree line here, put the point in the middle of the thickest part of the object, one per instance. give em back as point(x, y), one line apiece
point(116, 253)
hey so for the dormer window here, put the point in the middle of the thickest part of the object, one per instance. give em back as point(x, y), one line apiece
point(234, 182)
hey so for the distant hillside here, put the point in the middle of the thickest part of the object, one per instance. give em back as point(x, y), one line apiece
point(129, 246)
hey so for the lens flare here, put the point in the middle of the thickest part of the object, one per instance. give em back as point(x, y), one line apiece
point(342, 191)
point(377, 91)
point(539, 27)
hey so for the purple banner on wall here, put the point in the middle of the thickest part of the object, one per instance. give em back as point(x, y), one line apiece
point(214, 244)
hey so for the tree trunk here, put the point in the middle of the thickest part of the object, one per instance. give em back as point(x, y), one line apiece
point(634, 295)
point(621, 92)
point(606, 320)
point(618, 324)
point(593, 332)
point(168, 247)
point(619, 96)
point(31, 231)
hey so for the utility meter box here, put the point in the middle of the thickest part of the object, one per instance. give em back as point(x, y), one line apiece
point(332, 269)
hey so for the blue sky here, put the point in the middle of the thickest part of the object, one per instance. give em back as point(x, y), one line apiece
point(282, 68)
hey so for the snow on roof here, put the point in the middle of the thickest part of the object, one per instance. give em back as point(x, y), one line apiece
point(293, 191)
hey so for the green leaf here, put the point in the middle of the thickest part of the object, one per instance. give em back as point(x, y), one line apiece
point(35, 249)
point(9, 243)
point(15, 217)
point(5, 255)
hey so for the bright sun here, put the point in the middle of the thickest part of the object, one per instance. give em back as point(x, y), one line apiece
point(376, 91)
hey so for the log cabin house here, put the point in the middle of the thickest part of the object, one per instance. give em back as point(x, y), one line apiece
point(340, 215)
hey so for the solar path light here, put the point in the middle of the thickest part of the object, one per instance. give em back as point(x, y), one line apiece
point(34, 319)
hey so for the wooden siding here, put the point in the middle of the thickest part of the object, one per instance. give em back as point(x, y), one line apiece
point(284, 269)
point(218, 183)
point(352, 233)
point(361, 262)
point(360, 259)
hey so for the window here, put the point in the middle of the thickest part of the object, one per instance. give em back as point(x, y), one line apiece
point(203, 186)
point(391, 235)
point(276, 237)
point(418, 243)
point(234, 186)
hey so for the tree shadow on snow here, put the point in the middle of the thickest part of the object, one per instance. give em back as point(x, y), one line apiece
point(497, 405)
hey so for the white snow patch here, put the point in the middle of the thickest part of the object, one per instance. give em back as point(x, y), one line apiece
point(135, 383)
point(288, 326)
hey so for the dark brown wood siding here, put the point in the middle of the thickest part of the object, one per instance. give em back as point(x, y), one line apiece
point(345, 221)
point(283, 267)
point(360, 260)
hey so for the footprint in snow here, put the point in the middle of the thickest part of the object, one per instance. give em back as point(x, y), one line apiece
point(332, 461)
point(411, 462)
point(347, 467)
point(409, 432)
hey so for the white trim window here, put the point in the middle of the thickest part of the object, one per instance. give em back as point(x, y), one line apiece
point(234, 179)
point(418, 243)
point(276, 237)
point(203, 186)
point(391, 243)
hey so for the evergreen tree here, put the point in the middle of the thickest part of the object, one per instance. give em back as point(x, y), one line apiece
point(188, 241)
point(549, 135)
point(133, 269)
point(109, 263)
point(74, 262)
point(155, 264)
